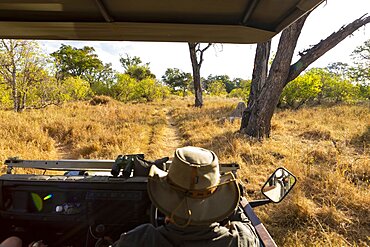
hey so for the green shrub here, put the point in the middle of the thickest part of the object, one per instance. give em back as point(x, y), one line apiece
point(74, 88)
point(5, 96)
point(217, 88)
point(242, 92)
point(302, 89)
point(124, 89)
point(129, 89)
point(337, 89)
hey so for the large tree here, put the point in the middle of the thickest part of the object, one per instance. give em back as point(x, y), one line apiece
point(21, 67)
point(81, 62)
point(196, 57)
point(267, 85)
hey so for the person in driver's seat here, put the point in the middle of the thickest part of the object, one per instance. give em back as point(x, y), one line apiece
point(194, 198)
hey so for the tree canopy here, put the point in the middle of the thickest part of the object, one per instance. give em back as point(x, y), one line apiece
point(177, 80)
point(81, 62)
point(361, 57)
point(22, 69)
point(135, 68)
point(31, 78)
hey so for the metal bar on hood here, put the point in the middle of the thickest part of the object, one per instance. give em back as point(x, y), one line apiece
point(262, 232)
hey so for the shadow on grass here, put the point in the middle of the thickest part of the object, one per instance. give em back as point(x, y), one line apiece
point(213, 113)
point(362, 141)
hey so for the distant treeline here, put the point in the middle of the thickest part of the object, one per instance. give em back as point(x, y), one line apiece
point(30, 78)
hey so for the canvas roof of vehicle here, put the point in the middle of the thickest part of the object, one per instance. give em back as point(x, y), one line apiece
point(221, 21)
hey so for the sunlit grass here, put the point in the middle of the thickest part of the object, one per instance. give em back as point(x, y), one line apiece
point(327, 148)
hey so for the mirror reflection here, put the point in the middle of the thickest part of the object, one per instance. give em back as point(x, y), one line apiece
point(278, 185)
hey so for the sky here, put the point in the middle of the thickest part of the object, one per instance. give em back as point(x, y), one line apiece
point(236, 60)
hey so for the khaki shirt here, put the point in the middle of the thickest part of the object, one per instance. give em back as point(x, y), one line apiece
point(236, 233)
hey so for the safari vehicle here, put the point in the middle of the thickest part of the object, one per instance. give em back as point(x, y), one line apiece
point(81, 209)
point(94, 201)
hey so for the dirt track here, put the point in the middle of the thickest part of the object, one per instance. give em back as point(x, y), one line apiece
point(171, 136)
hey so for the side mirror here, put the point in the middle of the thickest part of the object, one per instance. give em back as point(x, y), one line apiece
point(278, 185)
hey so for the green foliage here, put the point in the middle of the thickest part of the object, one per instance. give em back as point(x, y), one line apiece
point(177, 80)
point(242, 91)
point(138, 83)
point(124, 89)
point(225, 79)
point(103, 86)
point(217, 88)
point(21, 68)
point(361, 71)
point(320, 85)
point(5, 96)
point(149, 89)
point(359, 75)
point(337, 89)
point(302, 89)
point(237, 93)
point(103, 79)
point(238, 82)
point(140, 72)
point(72, 61)
point(45, 91)
point(74, 88)
point(134, 68)
point(364, 91)
point(82, 62)
point(128, 89)
point(128, 62)
point(80, 74)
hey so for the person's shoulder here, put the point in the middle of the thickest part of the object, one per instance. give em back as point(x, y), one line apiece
point(134, 237)
point(143, 235)
point(142, 228)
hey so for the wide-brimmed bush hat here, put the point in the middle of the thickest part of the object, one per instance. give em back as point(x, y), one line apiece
point(192, 192)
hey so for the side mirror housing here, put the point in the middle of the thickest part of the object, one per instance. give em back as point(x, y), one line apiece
point(279, 184)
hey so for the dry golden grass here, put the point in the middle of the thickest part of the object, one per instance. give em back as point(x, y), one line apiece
point(81, 130)
point(327, 148)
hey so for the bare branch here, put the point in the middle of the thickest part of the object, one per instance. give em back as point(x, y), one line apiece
point(310, 55)
point(202, 52)
point(204, 49)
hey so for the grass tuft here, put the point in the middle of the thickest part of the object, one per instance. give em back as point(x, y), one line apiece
point(100, 100)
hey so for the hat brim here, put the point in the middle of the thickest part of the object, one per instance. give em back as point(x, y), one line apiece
point(171, 202)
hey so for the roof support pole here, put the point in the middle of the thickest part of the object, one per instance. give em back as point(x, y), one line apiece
point(251, 7)
point(103, 10)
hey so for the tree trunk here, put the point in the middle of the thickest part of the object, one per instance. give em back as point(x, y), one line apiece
point(196, 64)
point(23, 101)
point(15, 94)
point(259, 77)
point(197, 88)
point(266, 91)
point(196, 75)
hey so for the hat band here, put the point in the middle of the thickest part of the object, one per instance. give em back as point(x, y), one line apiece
point(192, 193)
